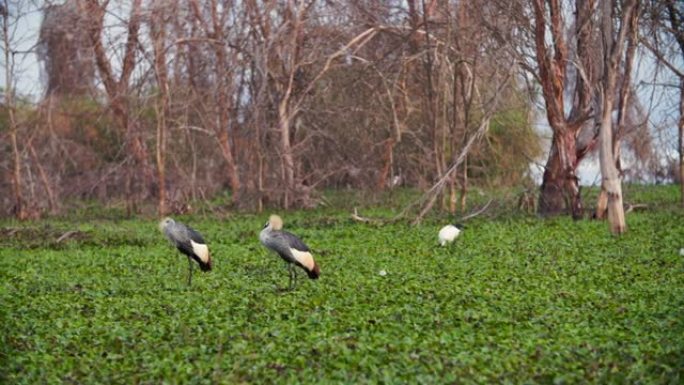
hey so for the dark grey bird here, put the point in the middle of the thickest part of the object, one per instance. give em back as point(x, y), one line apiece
point(290, 248)
point(189, 242)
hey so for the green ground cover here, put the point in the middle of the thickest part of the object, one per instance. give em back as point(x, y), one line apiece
point(515, 300)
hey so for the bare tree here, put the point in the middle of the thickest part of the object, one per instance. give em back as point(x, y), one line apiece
point(65, 50)
point(158, 35)
point(279, 98)
point(673, 12)
point(560, 183)
point(613, 44)
point(677, 25)
point(19, 203)
point(118, 90)
point(224, 82)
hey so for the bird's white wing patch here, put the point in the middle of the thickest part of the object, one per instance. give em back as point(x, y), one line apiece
point(201, 250)
point(304, 258)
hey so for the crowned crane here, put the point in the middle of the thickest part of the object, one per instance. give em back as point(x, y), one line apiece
point(290, 248)
point(448, 233)
point(189, 242)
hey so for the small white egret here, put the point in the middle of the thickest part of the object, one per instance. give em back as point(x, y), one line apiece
point(290, 248)
point(448, 233)
point(189, 242)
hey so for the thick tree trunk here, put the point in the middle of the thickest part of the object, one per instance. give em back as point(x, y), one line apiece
point(681, 138)
point(676, 21)
point(560, 192)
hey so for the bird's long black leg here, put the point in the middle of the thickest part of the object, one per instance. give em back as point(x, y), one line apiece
point(189, 272)
point(289, 266)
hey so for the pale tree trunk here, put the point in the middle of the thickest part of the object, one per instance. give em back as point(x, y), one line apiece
point(611, 184)
point(287, 159)
point(19, 204)
point(623, 102)
point(158, 31)
point(463, 99)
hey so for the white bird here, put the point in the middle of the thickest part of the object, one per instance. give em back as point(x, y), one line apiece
point(290, 248)
point(189, 242)
point(448, 233)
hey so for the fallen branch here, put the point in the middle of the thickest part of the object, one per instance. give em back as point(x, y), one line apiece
point(631, 207)
point(355, 216)
point(67, 235)
point(478, 212)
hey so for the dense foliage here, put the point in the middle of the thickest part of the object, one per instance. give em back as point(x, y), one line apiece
point(514, 300)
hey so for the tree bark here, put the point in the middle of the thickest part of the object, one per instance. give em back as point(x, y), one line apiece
point(52, 200)
point(287, 162)
point(118, 90)
point(610, 185)
point(623, 101)
point(215, 35)
point(383, 176)
point(681, 139)
point(560, 189)
point(19, 204)
point(158, 31)
point(612, 46)
point(678, 32)
point(560, 186)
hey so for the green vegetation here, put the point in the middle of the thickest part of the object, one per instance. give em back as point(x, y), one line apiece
point(514, 300)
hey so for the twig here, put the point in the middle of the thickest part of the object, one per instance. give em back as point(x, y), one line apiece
point(66, 235)
point(631, 207)
point(359, 218)
point(478, 212)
